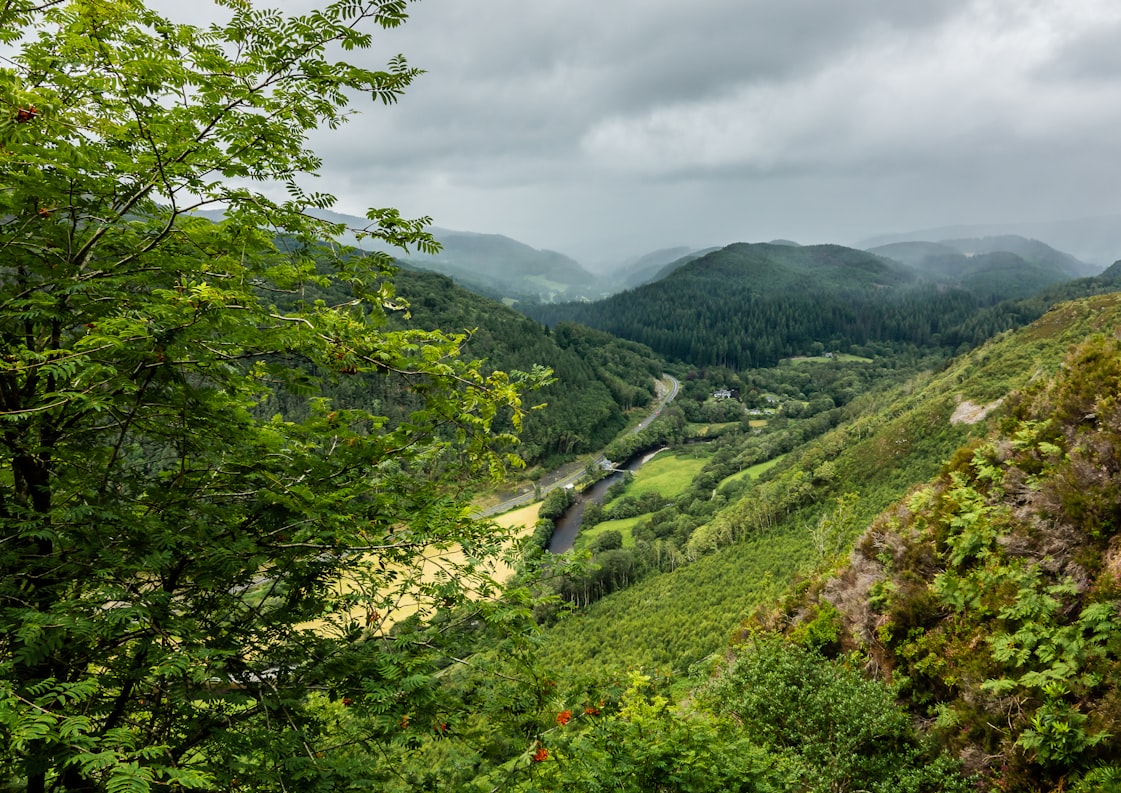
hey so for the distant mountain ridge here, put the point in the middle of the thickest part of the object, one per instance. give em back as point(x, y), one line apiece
point(652, 267)
point(489, 264)
point(1007, 266)
point(749, 305)
point(511, 271)
point(503, 267)
point(1094, 241)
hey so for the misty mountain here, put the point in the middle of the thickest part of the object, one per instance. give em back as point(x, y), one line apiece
point(504, 268)
point(645, 269)
point(993, 267)
point(490, 264)
point(752, 304)
point(1029, 250)
point(649, 268)
point(1093, 243)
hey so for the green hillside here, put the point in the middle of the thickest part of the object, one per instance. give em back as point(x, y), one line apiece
point(982, 500)
point(991, 591)
point(597, 377)
point(748, 306)
point(992, 269)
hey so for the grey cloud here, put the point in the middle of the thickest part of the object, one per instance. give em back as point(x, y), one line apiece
point(1096, 55)
point(576, 125)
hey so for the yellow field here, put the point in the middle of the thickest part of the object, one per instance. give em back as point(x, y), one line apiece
point(524, 520)
point(436, 562)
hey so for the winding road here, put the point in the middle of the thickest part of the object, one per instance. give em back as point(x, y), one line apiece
point(666, 388)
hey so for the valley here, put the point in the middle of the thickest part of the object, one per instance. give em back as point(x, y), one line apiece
point(708, 548)
point(295, 500)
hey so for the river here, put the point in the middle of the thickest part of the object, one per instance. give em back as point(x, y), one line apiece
point(567, 526)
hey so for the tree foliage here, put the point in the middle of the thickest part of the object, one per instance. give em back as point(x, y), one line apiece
point(186, 580)
point(991, 593)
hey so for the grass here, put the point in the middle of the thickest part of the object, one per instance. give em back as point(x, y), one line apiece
point(624, 526)
point(669, 474)
point(671, 620)
point(839, 356)
point(711, 430)
point(434, 562)
point(545, 283)
point(754, 472)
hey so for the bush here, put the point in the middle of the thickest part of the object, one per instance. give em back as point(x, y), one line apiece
point(607, 541)
point(556, 503)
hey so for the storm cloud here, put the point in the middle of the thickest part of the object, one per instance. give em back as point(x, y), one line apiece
point(603, 129)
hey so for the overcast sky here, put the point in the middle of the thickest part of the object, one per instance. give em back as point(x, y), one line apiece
point(608, 128)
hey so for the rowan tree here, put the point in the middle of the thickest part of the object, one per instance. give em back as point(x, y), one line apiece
point(187, 580)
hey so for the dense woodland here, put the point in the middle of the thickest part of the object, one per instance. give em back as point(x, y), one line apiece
point(749, 306)
point(876, 552)
point(597, 377)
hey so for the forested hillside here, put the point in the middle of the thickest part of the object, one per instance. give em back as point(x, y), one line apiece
point(990, 593)
point(968, 645)
point(750, 305)
point(597, 377)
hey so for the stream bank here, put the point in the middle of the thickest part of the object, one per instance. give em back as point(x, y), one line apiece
point(567, 526)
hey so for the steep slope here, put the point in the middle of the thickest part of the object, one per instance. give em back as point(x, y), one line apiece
point(598, 377)
point(993, 592)
point(750, 305)
point(1016, 271)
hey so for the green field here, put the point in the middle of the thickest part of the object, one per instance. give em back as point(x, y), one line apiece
point(754, 472)
point(841, 357)
point(669, 474)
point(624, 526)
point(712, 430)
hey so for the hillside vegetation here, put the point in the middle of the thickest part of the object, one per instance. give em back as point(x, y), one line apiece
point(990, 594)
point(748, 306)
point(970, 642)
point(984, 590)
point(596, 378)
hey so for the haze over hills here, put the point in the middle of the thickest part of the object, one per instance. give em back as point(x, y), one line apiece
point(505, 268)
point(1003, 267)
point(752, 304)
point(1094, 240)
point(511, 271)
point(647, 268)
